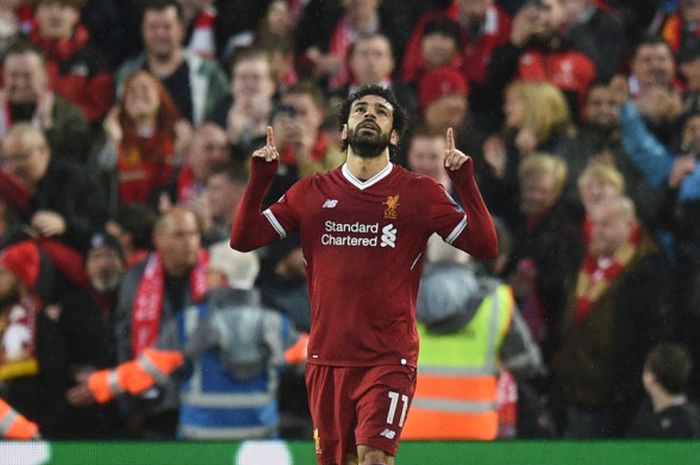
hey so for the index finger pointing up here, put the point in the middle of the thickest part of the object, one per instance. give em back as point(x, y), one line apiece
point(450, 139)
point(270, 136)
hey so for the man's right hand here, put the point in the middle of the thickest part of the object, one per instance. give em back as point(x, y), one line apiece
point(269, 151)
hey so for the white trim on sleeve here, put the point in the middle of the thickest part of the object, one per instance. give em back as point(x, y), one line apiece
point(275, 223)
point(457, 230)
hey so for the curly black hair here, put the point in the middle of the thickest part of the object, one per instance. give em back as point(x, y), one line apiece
point(400, 116)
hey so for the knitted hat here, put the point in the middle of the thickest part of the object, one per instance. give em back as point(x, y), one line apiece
point(240, 268)
point(22, 260)
point(103, 239)
point(439, 82)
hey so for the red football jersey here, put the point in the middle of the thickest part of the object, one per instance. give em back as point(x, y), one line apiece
point(363, 242)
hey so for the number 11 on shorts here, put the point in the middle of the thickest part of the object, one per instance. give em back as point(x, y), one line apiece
point(394, 397)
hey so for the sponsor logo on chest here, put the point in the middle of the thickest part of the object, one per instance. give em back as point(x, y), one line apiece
point(361, 234)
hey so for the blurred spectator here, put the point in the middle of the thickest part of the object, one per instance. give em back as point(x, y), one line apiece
point(484, 26)
point(236, 348)
point(27, 96)
point(275, 35)
point(322, 48)
point(199, 17)
point(426, 156)
point(537, 118)
point(689, 67)
point(9, 22)
point(236, 20)
point(660, 167)
point(105, 266)
point(681, 26)
point(276, 25)
point(113, 27)
point(546, 249)
point(371, 61)
point(224, 190)
point(64, 202)
point(597, 33)
point(599, 181)
point(143, 138)
point(132, 225)
point(172, 278)
point(77, 71)
point(443, 96)
point(304, 148)
point(247, 111)
point(669, 414)
point(195, 84)
point(538, 51)
point(206, 148)
point(651, 64)
point(617, 310)
point(600, 140)
point(50, 331)
point(653, 87)
point(441, 44)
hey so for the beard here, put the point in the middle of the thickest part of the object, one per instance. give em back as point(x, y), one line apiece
point(108, 284)
point(367, 145)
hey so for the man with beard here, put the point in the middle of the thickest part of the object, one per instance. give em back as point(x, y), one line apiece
point(364, 228)
point(196, 84)
point(105, 266)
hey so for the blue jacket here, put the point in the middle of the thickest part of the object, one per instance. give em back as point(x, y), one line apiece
point(651, 157)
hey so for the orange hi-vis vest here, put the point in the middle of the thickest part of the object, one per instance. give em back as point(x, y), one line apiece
point(456, 390)
point(15, 426)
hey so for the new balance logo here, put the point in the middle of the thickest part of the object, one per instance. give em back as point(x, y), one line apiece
point(330, 203)
point(389, 236)
point(387, 433)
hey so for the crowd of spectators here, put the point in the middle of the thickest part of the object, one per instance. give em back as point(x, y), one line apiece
point(126, 128)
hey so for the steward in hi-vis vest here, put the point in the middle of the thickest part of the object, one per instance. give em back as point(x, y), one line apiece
point(468, 326)
point(230, 350)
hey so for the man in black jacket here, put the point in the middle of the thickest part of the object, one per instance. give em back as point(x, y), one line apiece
point(63, 202)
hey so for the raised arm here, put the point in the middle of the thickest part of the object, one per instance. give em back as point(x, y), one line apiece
point(251, 228)
point(478, 238)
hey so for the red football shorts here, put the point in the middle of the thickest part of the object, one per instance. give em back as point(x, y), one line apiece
point(363, 405)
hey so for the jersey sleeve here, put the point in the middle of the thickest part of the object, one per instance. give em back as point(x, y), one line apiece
point(285, 214)
point(445, 216)
point(471, 228)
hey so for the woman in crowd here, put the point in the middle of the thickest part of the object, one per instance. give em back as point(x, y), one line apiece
point(144, 135)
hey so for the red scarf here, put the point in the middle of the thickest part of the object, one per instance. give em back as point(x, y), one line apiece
point(186, 186)
point(341, 40)
point(596, 275)
point(148, 302)
point(18, 337)
point(60, 50)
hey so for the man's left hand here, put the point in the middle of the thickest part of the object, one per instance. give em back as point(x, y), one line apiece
point(454, 159)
